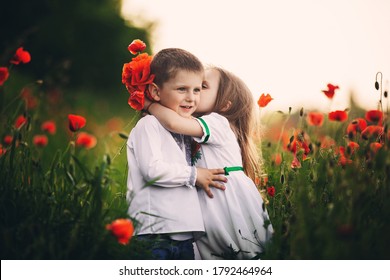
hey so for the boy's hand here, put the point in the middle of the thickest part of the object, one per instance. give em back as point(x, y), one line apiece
point(207, 178)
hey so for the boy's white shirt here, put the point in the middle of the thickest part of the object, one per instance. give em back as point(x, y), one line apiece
point(171, 205)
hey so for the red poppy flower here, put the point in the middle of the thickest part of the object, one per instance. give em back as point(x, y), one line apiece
point(136, 76)
point(2, 150)
point(374, 116)
point(357, 125)
point(299, 142)
point(21, 56)
point(277, 159)
point(29, 98)
point(40, 140)
point(330, 91)
point(136, 46)
point(49, 127)
point(315, 118)
point(264, 100)
point(20, 121)
point(122, 229)
point(327, 142)
point(271, 191)
point(257, 181)
point(136, 100)
point(7, 140)
point(375, 147)
point(352, 147)
point(339, 116)
point(136, 73)
point(295, 163)
point(76, 122)
point(373, 132)
point(86, 140)
point(264, 180)
point(343, 159)
point(4, 74)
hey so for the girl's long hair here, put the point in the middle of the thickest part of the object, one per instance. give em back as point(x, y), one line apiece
point(243, 118)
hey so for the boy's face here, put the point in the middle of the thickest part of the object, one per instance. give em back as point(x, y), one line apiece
point(182, 92)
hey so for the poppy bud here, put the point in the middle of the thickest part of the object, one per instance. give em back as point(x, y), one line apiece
point(123, 136)
point(282, 179)
point(376, 85)
point(385, 94)
point(301, 112)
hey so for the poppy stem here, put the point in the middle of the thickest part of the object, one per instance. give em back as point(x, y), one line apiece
point(379, 87)
point(386, 96)
point(19, 96)
point(282, 130)
point(330, 105)
point(130, 124)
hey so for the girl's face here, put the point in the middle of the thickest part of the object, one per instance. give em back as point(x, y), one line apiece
point(208, 95)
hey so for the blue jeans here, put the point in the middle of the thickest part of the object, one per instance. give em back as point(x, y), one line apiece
point(164, 248)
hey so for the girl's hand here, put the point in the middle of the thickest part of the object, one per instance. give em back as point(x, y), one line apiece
point(147, 104)
point(207, 178)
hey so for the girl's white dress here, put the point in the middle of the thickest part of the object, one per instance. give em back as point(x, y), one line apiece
point(235, 220)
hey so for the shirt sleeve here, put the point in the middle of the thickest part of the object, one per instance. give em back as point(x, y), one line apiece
point(214, 128)
point(145, 143)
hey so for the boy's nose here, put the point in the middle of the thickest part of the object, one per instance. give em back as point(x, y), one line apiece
point(191, 96)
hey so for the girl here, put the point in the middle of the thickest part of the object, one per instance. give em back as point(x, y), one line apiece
point(236, 222)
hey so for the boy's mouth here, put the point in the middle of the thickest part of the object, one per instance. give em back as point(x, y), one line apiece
point(186, 107)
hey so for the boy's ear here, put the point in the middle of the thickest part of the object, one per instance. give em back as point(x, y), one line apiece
point(154, 91)
point(227, 106)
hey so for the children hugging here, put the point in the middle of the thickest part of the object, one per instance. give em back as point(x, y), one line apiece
point(214, 204)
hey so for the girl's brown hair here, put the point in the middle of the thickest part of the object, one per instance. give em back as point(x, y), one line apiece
point(242, 117)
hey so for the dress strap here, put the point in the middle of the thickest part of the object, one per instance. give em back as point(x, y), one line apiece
point(233, 168)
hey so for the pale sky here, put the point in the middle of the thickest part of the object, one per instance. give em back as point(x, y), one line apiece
point(289, 49)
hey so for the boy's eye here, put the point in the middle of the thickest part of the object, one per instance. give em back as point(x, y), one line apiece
point(204, 86)
point(181, 89)
point(197, 90)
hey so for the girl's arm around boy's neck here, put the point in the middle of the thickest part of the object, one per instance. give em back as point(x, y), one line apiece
point(173, 122)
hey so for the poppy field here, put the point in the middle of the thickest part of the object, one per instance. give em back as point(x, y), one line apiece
point(63, 176)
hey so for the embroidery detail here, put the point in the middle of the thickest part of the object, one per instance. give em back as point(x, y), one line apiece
point(185, 144)
point(195, 152)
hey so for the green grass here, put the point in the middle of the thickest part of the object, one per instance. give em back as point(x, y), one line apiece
point(325, 210)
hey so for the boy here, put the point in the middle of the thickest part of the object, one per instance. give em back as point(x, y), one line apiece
point(168, 209)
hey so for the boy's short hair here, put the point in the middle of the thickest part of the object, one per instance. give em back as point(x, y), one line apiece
point(167, 62)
